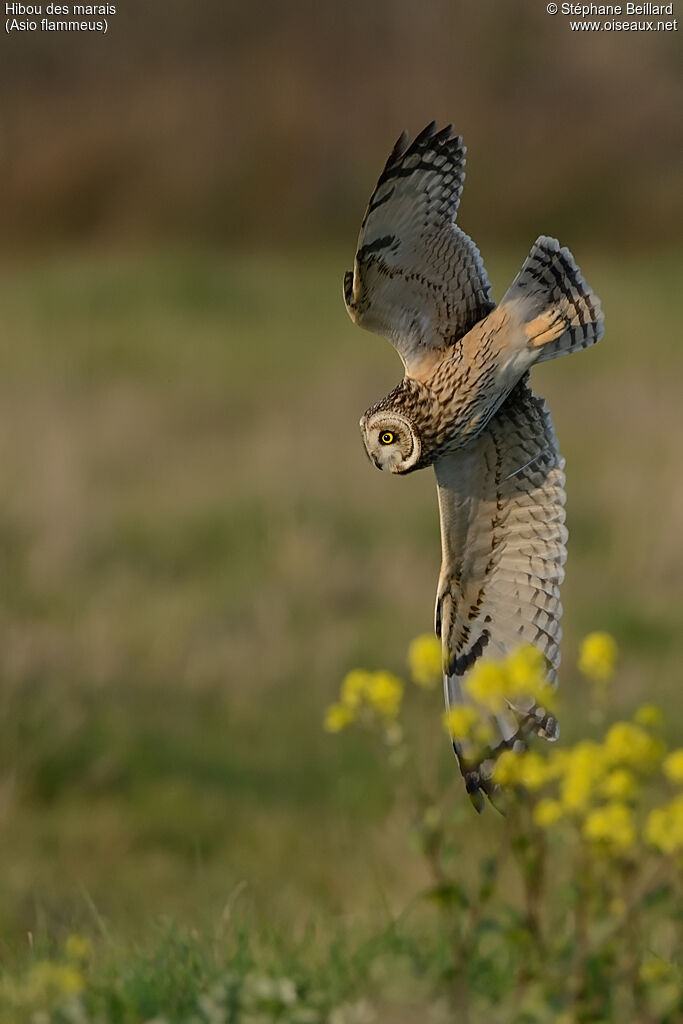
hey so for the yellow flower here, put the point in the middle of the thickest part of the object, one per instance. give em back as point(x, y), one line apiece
point(506, 771)
point(525, 668)
point(526, 671)
point(611, 827)
point(654, 970)
point(460, 721)
point(354, 687)
point(70, 981)
point(656, 830)
point(483, 733)
point(673, 766)
point(582, 769)
point(533, 770)
point(487, 684)
point(46, 980)
point(597, 657)
point(337, 717)
point(424, 659)
point(77, 948)
point(619, 785)
point(649, 716)
point(547, 812)
point(629, 744)
point(362, 693)
point(384, 695)
point(664, 827)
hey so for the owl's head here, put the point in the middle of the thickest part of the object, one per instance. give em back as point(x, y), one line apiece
point(398, 432)
point(391, 440)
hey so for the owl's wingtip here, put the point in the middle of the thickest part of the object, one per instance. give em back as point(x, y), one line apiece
point(477, 800)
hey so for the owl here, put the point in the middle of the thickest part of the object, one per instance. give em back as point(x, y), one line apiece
point(465, 407)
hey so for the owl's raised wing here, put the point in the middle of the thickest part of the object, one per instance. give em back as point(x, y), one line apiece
point(418, 280)
point(503, 534)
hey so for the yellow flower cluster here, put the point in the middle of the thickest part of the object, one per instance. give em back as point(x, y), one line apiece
point(46, 985)
point(673, 766)
point(589, 773)
point(461, 721)
point(527, 769)
point(619, 785)
point(487, 684)
point(77, 948)
point(611, 827)
point(337, 717)
point(581, 770)
point(425, 661)
point(365, 695)
point(48, 978)
point(649, 716)
point(627, 744)
point(664, 827)
point(547, 812)
point(599, 786)
point(465, 722)
point(492, 684)
point(598, 657)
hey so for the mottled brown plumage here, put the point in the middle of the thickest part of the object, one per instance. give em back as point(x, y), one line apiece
point(465, 407)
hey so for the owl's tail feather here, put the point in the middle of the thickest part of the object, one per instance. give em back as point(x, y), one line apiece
point(560, 313)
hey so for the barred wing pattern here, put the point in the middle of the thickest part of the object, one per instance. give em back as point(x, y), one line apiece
point(418, 280)
point(501, 502)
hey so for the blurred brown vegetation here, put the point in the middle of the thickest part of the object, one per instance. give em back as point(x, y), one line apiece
point(229, 121)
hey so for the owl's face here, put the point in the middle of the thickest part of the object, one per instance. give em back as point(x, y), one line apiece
point(391, 441)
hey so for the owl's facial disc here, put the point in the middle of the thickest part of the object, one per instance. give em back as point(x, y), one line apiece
point(390, 441)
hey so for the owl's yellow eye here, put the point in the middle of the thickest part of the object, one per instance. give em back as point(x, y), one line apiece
point(386, 437)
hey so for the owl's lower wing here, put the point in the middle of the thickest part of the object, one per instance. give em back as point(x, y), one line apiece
point(418, 280)
point(503, 534)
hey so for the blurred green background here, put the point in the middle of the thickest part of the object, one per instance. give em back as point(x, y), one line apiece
point(193, 547)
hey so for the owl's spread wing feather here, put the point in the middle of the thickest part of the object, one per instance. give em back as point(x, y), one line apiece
point(418, 280)
point(501, 501)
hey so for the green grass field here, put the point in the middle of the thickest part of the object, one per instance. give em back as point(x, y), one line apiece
point(195, 550)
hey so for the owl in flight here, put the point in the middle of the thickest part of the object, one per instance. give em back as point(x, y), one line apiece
point(465, 407)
